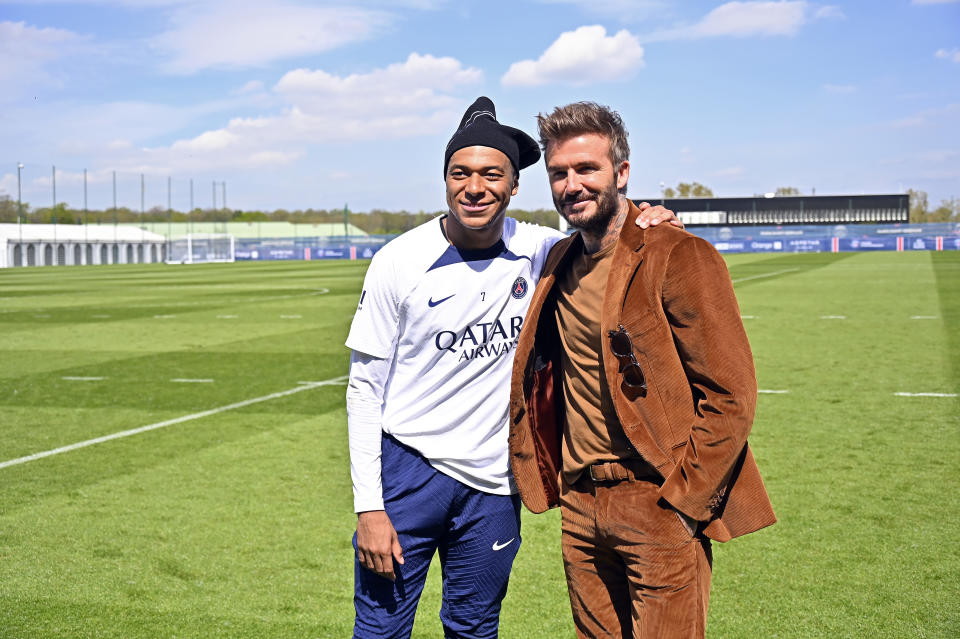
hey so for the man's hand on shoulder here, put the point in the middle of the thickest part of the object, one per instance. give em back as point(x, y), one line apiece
point(377, 543)
point(652, 215)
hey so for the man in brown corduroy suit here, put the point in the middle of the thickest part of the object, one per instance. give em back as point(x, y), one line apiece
point(633, 395)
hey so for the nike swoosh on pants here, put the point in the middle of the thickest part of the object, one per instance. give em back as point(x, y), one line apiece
point(498, 546)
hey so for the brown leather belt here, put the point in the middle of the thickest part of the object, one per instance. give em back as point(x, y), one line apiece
point(632, 469)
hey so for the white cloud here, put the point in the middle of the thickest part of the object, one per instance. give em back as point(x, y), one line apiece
point(414, 85)
point(580, 57)
point(753, 18)
point(27, 52)
point(136, 4)
point(208, 141)
point(69, 179)
point(247, 34)
point(925, 117)
point(401, 100)
point(949, 54)
point(829, 12)
point(253, 86)
point(840, 88)
point(744, 19)
point(626, 10)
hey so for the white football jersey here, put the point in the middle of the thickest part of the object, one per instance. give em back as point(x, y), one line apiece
point(449, 320)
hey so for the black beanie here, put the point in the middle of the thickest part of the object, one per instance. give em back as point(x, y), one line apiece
point(479, 127)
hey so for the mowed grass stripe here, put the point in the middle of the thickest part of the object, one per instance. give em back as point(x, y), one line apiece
point(170, 422)
point(241, 526)
point(854, 471)
point(238, 539)
point(192, 345)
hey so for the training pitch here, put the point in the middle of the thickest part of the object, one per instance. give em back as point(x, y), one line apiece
point(173, 460)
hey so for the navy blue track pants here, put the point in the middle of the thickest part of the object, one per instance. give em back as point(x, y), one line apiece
point(476, 535)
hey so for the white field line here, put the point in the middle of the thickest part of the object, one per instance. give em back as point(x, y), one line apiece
point(72, 378)
point(837, 317)
point(925, 394)
point(748, 317)
point(187, 380)
point(227, 316)
point(164, 316)
point(170, 422)
point(923, 317)
point(762, 275)
point(772, 392)
point(291, 316)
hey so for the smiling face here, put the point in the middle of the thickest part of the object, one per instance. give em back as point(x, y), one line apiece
point(480, 181)
point(584, 181)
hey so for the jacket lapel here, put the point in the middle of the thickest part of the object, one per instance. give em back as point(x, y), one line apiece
point(558, 256)
point(525, 346)
point(627, 257)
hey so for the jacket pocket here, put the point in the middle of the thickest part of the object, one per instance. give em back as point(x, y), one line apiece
point(651, 339)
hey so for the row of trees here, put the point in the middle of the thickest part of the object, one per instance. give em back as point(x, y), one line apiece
point(688, 189)
point(377, 221)
point(920, 211)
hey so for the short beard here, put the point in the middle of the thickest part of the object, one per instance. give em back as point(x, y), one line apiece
point(608, 205)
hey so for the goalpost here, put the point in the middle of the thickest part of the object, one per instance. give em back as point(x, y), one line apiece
point(201, 248)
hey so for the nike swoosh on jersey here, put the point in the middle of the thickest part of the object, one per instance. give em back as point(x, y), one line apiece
point(431, 303)
point(498, 546)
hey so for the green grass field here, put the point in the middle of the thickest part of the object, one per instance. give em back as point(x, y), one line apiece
point(237, 522)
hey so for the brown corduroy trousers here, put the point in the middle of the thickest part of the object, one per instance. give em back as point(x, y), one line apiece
point(632, 568)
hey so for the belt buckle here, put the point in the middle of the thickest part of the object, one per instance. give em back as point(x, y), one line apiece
point(606, 475)
point(592, 476)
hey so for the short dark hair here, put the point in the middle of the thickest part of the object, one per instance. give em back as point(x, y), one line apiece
point(585, 117)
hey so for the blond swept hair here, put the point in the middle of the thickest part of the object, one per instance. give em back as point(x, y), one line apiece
point(585, 117)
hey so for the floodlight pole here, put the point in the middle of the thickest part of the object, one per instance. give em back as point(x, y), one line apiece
point(84, 205)
point(223, 200)
point(115, 220)
point(169, 216)
point(54, 210)
point(20, 214)
point(190, 214)
point(19, 195)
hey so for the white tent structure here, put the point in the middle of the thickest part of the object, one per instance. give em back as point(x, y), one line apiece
point(76, 244)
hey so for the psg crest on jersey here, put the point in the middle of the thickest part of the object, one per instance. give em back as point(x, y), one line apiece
point(519, 288)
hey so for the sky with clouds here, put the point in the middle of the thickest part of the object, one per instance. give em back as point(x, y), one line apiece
point(295, 104)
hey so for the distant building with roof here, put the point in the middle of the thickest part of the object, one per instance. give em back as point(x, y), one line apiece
point(74, 244)
point(796, 209)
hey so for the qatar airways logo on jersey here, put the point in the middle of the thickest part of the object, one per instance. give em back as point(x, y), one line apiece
point(486, 339)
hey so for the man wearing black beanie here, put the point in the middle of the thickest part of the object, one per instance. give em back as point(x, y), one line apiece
point(427, 402)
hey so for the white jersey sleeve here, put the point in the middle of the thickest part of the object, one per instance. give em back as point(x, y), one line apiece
point(368, 376)
point(376, 323)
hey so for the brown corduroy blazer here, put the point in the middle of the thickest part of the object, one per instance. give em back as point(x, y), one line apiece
point(673, 294)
